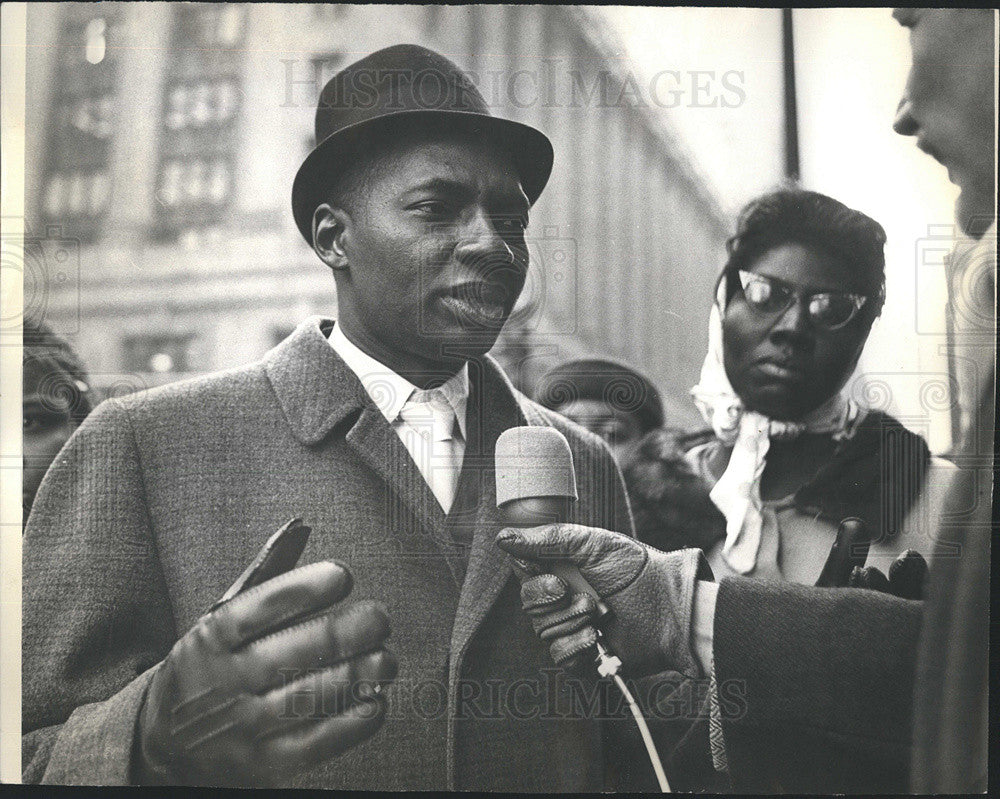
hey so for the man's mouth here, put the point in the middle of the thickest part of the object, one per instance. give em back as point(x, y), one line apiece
point(481, 303)
point(927, 147)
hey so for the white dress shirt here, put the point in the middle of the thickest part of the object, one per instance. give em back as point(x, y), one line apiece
point(431, 424)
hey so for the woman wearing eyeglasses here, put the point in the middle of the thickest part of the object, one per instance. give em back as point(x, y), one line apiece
point(793, 454)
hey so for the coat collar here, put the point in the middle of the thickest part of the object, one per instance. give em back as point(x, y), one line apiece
point(389, 390)
point(318, 391)
point(315, 388)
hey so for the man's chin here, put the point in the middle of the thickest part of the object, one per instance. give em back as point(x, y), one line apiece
point(975, 211)
point(456, 344)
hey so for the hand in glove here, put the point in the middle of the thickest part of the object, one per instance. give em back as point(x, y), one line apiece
point(906, 576)
point(650, 595)
point(268, 684)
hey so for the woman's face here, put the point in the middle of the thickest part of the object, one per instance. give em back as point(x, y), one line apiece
point(782, 364)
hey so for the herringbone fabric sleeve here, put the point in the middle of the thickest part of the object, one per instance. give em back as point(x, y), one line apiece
point(96, 615)
point(819, 684)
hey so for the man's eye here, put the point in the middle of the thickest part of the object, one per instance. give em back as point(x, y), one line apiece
point(614, 433)
point(512, 224)
point(434, 208)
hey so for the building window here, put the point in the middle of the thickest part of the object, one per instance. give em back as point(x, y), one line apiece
point(160, 353)
point(323, 67)
point(432, 18)
point(322, 11)
point(201, 103)
point(77, 183)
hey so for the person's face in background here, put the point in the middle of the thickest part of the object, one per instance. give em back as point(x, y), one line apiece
point(620, 429)
point(783, 365)
point(948, 100)
point(47, 425)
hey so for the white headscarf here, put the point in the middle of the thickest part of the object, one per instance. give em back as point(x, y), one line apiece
point(737, 494)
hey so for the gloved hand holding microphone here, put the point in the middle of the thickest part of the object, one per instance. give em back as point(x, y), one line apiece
point(276, 678)
point(649, 594)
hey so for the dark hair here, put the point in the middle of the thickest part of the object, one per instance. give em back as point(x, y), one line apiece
point(670, 502)
point(354, 179)
point(62, 370)
point(794, 215)
point(613, 382)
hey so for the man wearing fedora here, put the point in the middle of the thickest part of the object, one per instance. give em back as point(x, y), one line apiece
point(378, 430)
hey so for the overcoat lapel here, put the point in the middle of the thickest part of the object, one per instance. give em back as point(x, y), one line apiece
point(318, 391)
point(495, 407)
point(377, 444)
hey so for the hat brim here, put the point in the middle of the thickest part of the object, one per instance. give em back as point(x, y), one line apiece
point(530, 148)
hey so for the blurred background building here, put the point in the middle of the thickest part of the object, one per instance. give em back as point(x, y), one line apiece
point(162, 140)
point(172, 133)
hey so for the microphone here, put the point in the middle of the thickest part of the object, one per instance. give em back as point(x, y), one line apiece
point(536, 484)
point(849, 550)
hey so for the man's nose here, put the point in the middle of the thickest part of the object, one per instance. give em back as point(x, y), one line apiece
point(479, 239)
point(904, 124)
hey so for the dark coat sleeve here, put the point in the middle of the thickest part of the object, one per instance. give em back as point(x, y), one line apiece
point(96, 615)
point(815, 686)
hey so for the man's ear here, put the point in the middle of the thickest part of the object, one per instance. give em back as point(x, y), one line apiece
point(329, 227)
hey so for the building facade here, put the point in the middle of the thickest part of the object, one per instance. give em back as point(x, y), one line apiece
point(163, 139)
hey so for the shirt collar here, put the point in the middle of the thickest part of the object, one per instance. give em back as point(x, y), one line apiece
point(389, 390)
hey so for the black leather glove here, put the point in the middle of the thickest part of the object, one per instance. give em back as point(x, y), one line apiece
point(650, 595)
point(907, 575)
point(269, 684)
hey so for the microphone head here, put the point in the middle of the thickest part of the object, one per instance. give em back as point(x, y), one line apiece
point(534, 462)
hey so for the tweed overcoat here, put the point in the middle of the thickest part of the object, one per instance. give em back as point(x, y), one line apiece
point(162, 498)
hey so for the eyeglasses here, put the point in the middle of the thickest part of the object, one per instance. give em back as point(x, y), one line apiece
point(828, 310)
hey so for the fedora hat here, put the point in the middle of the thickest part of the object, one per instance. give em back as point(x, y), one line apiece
point(389, 92)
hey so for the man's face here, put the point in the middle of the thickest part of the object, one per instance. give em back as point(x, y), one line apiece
point(948, 100)
point(48, 425)
point(435, 253)
point(782, 364)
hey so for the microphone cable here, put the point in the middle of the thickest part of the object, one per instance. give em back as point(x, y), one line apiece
point(609, 665)
point(540, 496)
